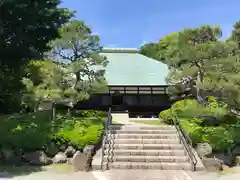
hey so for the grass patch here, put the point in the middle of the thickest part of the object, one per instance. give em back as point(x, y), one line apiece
point(149, 122)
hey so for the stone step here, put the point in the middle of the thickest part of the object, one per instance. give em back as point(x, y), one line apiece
point(129, 131)
point(142, 141)
point(144, 146)
point(144, 136)
point(160, 166)
point(138, 152)
point(142, 127)
point(146, 158)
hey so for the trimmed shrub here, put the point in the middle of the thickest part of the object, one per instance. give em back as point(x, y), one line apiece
point(36, 131)
point(91, 113)
point(234, 130)
point(189, 108)
point(218, 137)
point(27, 132)
point(194, 130)
point(166, 116)
point(81, 133)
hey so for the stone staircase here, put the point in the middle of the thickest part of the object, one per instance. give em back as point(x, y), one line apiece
point(144, 147)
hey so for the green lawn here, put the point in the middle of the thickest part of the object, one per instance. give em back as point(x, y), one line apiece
point(149, 122)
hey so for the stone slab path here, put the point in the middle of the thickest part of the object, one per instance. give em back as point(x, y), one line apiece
point(125, 175)
point(142, 175)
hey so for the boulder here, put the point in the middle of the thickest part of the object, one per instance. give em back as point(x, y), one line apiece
point(59, 158)
point(203, 149)
point(81, 161)
point(226, 159)
point(63, 147)
point(212, 164)
point(70, 151)
point(51, 149)
point(37, 158)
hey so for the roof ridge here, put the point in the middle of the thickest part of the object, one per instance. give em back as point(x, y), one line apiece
point(119, 50)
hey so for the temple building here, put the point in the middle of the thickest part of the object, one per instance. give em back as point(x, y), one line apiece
point(136, 83)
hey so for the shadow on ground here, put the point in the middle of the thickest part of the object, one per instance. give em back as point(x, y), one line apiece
point(12, 171)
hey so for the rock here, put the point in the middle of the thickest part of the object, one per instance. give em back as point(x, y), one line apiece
point(70, 151)
point(226, 159)
point(37, 158)
point(60, 158)
point(63, 147)
point(51, 149)
point(203, 149)
point(89, 149)
point(212, 165)
point(81, 161)
point(237, 160)
point(236, 151)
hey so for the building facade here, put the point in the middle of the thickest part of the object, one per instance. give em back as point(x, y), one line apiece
point(136, 83)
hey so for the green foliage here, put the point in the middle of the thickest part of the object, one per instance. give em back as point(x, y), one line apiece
point(92, 113)
point(37, 130)
point(166, 116)
point(234, 130)
point(189, 108)
point(150, 50)
point(83, 132)
point(193, 129)
point(26, 132)
point(219, 137)
point(79, 48)
point(22, 39)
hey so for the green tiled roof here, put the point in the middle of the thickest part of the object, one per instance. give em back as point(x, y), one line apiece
point(127, 67)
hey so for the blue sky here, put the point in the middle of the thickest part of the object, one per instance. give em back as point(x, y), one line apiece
point(130, 23)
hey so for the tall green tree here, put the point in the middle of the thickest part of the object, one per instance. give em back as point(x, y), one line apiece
point(150, 50)
point(235, 36)
point(26, 27)
point(79, 49)
point(47, 81)
point(211, 63)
